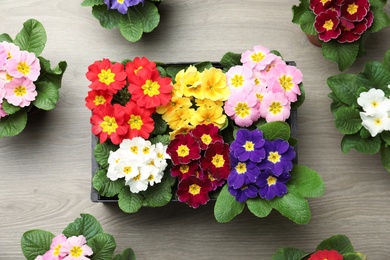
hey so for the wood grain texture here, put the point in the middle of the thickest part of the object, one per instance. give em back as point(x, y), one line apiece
point(45, 171)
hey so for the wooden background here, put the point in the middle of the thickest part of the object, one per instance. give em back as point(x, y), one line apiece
point(46, 171)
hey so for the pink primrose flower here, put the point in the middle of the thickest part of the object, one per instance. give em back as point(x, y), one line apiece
point(75, 248)
point(257, 58)
point(275, 107)
point(285, 79)
point(20, 92)
point(55, 248)
point(26, 65)
point(2, 112)
point(12, 50)
point(3, 57)
point(260, 92)
point(243, 109)
point(239, 78)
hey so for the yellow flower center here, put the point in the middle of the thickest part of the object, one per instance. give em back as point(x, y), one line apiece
point(286, 82)
point(109, 125)
point(120, 1)
point(257, 56)
point(151, 88)
point(206, 139)
point(378, 121)
point(9, 55)
point(328, 25)
point(374, 103)
point(194, 189)
point(106, 76)
point(271, 180)
point(160, 155)
point(76, 251)
point(183, 150)
point(237, 81)
point(138, 177)
point(151, 177)
point(257, 81)
point(184, 168)
point(260, 96)
point(323, 2)
point(99, 100)
point(146, 150)
point(127, 169)
point(135, 122)
point(23, 68)
point(249, 146)
point(275, 108)
point(8, 77)
point(56, 251)
point(242, 109)
point(218, 160)
point(241, 168)
point(134, 149)
point(352, 8)
point(274, 157)
point(20, 91)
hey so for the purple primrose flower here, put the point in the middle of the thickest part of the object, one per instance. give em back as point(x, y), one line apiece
point(248, 145)
point(242, 172)
point(122, 5)
point(245, 192)
point(270, 185)
point(279, 156)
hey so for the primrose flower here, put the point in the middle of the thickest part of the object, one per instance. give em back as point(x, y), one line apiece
point(3, 56)
point(20, 92)
point(139, 120)
point(243, 108)
point(327, 25)
point(55, 248)
point(279, 156)
point(194, 191)
point(248, 145)
point(206, 135)
point(76, 248)
point(26, 64)
point(122, 5)
point(284, 78)
point(138, 181)
point(97, 98)
point(320, 6)
point(242, 172)
point(355, 10)
point(180, 118)
point(326, 254)
point(376, 123)
point(176, 103)
point(275, 107)
point(216, 160)
point(239, 78)
point(11, 49)
point(207, 116)
point(2, 112)
point(188, 83)
point(183, 149)
point(352, 31)
point(257, 58)
point(116, 170)
point(373, 101)
point(260, 92)
point(184, 171)
point(245, 192)
point(270, 185)
point(214, 85)
point(133, 67)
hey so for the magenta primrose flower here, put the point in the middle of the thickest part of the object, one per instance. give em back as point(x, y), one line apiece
point(327, 25)
point(20, 92)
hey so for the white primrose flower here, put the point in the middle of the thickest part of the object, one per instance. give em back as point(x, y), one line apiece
point(133, 146)
point(128, 168)
point(374, 101)
point(154, 173)
point(375, 123)
point(138, 181)
point(114, 158)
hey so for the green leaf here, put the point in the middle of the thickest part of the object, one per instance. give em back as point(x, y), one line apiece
point(36, 242)
point(381, 19)
point(54, 75)
point(306, 182)
point(345, 88)
point(226, 206)
point(276, 53)
point(375, 75)
point(127, 254)
point(230, 59)
point(13, 124)
point(385, 157)
point(340, 243)
point(386, 60)
point(105, 186)
point(9, 108)
point(343, 54)
point(129, 202)
point(102, 152)
point(275, 130)
point(369, 145)
point(172, 70)
point(353, 256)
point(299, 10)
point(159, 194)
point(5, 38)
point(289, 253)
point(364, 133)
point(164, 139)
point(348, 120)
point(160, 126)
point(108, 18)
point(103, 246)
point(292, 206)
point(87, 226)
point(307, 22)
point(32, 37)
point(147, 14)
point(48, 95)
point(130, 27)
point(301, 98)
point(386, 137)
point(92, 2)
point(201, 66)
point(293, 141)
point(259, 207)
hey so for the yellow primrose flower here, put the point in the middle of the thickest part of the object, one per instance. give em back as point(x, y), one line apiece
point(207, 103)
point(214, 85)
point(207, 116)
point(175, 103)
point(180, 117)
point(188, 82)
point(181, 130)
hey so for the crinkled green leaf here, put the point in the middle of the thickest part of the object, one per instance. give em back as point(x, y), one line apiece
point(5, 38)
point(353, 256)
point(13, 124)
point(275, 130)
point(102, 152)
point(9, 108)
point(375, 75)
point(364, 133)
point(381, 19)
point(87, 226)
point(227, 207)
point(306, 182)
point(48, 95)
point(230, 59)
point(369, 145)
point(307, 22)
point(348, 120)
point(35, 242)
point(299, 10)
point(344, 87)
point(159, 194)
point(130, 26)
point(32, 37)
point(108, 18)
point(293, 206)
point(385, 157)
point(340, 243)
point(259, 207)
point(289, 253)
point(129, 202)
point(103, 246)
point(105, 186)
point(127, 254)
point(386, 137)
point(53, 75)
point(343, 54)
point(201, 66)
point(164, 139)
point(147, 14)
point(160, 126)
point(92, 3)
point(386, 61)
point(276, 53)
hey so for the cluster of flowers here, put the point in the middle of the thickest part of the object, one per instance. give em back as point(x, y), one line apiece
point(139, 162)
point(200, 162)
point(18, 71)
point(122, 5)
point(147, 88)
point(326, 254)
point(376, 107)
point(264, 86)
point(63, 248)
point(259, 167)
point(343, 20)
point(197, 98)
